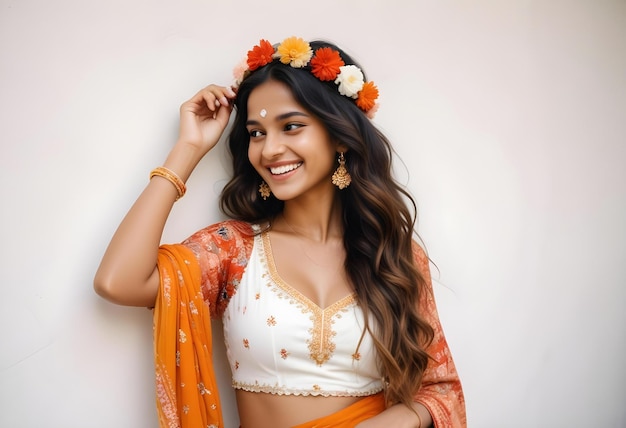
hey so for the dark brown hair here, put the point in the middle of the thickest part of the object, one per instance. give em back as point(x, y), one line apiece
point(378, 220)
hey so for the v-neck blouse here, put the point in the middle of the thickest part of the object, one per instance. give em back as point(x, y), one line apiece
point(279, 341)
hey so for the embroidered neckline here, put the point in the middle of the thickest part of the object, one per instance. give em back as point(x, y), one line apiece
point(321, 346)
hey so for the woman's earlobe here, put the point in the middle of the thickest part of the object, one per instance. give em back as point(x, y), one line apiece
point(341, 148)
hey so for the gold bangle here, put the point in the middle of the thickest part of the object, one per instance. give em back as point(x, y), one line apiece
point(170, 176)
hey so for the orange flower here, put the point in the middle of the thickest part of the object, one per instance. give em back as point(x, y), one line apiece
point(367, 96)
point(325, 64)
point(372, 112)
point(260, 55)
point(295, 52)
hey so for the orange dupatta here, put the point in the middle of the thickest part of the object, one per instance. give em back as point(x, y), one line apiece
point(186, 389)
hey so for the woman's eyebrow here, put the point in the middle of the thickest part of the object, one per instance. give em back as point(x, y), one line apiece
point(279, 117)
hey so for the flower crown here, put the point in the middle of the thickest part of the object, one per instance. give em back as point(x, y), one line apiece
point(325, 64)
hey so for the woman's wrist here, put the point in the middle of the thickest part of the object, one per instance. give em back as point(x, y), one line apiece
point(183, 159)
point(425, 420)
point(172, 177)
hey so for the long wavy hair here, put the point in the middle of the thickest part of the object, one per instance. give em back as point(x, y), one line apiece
point(378, 220)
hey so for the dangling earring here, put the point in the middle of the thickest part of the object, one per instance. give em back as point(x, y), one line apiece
point(341, 176)
point(264, 190)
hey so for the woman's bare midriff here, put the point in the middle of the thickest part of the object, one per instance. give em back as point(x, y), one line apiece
point(263, 410)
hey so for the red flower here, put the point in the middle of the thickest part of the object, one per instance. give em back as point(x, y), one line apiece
point(260, 55)
point(325, 64)
point(367, 96)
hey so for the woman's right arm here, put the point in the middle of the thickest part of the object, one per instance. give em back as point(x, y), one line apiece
point(128, 272)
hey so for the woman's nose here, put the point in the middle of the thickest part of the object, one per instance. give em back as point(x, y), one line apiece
point(273, 145)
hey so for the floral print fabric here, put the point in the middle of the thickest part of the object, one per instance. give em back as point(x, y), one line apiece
point(441, 392)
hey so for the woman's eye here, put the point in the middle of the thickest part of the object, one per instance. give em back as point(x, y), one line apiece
point(255, 133)
point(293, 126)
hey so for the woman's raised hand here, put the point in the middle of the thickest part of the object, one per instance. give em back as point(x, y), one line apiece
point(204, 117)
point(128, 274)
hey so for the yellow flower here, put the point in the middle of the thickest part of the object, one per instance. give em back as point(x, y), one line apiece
point(295, 52)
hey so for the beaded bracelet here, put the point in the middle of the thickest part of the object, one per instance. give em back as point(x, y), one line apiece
point(170, 176)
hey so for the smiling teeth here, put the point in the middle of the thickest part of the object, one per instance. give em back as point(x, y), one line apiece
point(284, 168)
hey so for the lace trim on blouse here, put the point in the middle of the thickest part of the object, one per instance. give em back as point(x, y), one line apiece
point(315, 391)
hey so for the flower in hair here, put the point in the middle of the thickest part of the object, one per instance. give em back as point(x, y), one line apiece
point(260, 55)
point(366, 98)
point(295, 52)
point(239, 72)
point(372, 112)
point(325, 64)
point(350, 80)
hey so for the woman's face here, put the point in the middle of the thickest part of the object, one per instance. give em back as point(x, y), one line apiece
point(289, 147)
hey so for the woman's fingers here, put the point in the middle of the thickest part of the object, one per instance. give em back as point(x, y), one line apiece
point(205, 115)
point(212, 97)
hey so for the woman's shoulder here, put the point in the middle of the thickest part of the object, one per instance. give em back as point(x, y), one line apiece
point(225, 233)
point(231, 227)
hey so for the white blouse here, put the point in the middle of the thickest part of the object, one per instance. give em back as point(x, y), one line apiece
point(279, 341)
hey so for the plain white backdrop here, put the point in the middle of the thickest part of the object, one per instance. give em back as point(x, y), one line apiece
point(510, 121)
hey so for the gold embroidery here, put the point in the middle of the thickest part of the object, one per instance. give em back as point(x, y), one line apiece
point(246, 344)
point(321, 345)
point(271, 321)
point(284, 354)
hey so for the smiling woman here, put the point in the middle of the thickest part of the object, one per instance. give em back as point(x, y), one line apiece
point(289, 147)
point(326, 300)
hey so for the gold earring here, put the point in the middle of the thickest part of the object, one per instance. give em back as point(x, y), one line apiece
point(264, 190)
point(341, 176)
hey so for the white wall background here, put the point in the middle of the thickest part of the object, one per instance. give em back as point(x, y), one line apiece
point(510, 117)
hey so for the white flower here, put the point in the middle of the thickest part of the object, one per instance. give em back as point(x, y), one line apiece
point(350, 80)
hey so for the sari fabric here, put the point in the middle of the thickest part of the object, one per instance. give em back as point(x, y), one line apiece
point(186, 389)
point(441, 392)
point(198, 277)
point(358, 412)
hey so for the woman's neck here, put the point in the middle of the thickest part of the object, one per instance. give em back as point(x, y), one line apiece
point(319, 221)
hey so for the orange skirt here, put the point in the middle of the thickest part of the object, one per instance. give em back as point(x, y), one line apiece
point(358, 412)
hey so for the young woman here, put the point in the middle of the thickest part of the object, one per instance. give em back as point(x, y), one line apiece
point(326, 299)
